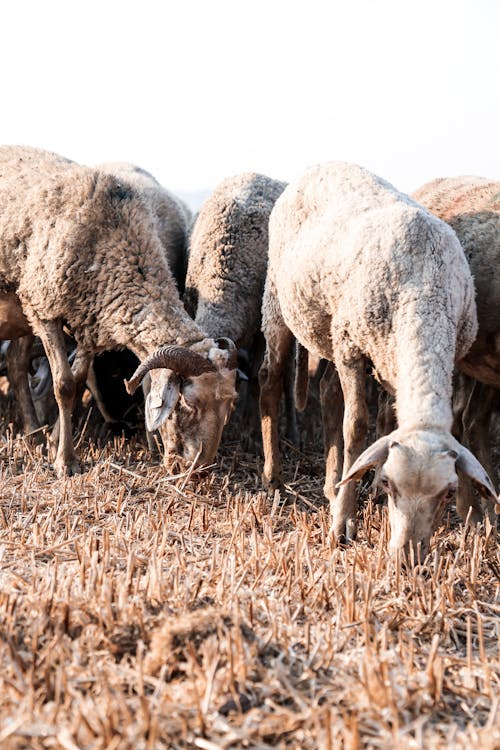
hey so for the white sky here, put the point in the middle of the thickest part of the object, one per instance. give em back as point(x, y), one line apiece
point(198, 90)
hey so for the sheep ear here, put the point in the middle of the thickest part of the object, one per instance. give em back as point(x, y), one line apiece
point(161, 401)
point(373, 456)
point(468, 464)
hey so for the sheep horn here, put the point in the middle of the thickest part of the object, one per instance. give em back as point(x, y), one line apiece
point(180, 359)
point(230, 346)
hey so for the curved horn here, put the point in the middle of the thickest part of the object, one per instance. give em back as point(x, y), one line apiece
point(230, 346)
point(180, 359)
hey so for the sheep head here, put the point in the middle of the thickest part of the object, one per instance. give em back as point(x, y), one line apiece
point(190, 398)
point(418, 470)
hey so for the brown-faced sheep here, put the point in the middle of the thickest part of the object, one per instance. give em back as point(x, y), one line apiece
point(77, 246)
point(173, 220)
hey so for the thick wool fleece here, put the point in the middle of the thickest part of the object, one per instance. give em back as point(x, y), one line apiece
point(471, 206)
point(172, 215)
point(228, 257)
point(78, 245)
point(359, 268)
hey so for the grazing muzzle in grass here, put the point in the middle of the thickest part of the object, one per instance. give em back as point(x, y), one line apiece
point(191, 398)
point(418, 470)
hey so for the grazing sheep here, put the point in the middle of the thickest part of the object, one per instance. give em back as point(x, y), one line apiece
point(358, 271)
point(227, 266)
point(78, 246)
point(105, 376)
point(471, 206)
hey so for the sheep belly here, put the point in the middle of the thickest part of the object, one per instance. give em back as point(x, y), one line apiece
point(13, 322)
point(304, 314)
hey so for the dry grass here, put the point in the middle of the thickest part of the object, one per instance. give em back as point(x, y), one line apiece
point(138, 611)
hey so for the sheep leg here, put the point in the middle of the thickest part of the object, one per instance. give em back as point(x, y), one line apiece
point(476, 418)
point(462, 395)
point(386, 417)
point(251, 405)
point(355, 426)
point(291, 430)
point(66, 462)
point(332, 412)
point(279, 340)
point(18, 362)
point(91, 381)
point(80, 369)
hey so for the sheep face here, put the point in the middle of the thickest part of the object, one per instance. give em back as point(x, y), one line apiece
point(196, 410)
point(419, 482)
point(418, 470)
point(191, 395)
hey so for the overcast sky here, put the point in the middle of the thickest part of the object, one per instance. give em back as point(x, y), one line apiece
point(197, 90)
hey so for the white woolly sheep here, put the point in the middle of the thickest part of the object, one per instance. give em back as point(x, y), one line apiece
point(471, 206)
point(359, 272)
point(227, 266)
point(80, 247)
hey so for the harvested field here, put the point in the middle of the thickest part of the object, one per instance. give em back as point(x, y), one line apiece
point(141, 610)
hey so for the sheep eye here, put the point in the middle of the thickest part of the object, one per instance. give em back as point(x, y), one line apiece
point(384, 482)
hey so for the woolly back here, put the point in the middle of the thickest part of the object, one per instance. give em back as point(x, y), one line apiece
point(471, 206)
point(228, 256)
point(83, 246)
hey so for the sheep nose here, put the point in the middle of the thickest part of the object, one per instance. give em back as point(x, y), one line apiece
point(190, 451)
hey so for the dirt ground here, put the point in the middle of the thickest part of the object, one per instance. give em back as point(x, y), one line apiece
point(141, 609)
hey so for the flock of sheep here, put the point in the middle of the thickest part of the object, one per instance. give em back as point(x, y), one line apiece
point(338, 265)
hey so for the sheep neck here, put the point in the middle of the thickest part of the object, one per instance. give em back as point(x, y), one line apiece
point(425, 355)
point(154, 327)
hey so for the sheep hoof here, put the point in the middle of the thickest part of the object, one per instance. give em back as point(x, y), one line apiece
point(67, 469)
point(271, 483)
point(351, 529)
point(345, 531)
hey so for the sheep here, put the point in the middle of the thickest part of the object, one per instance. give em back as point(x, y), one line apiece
point(79, 247)
point(227, 267)
point(471, 206)
point(358, 271)
point(173, 219)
